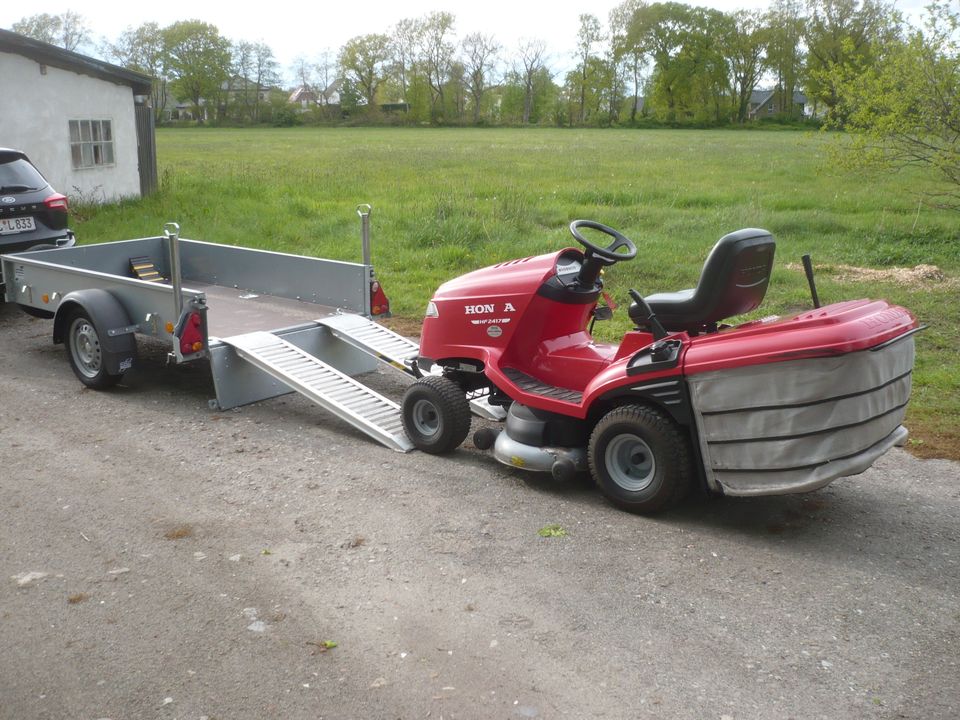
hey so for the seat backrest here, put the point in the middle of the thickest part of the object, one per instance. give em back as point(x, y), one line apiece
point(736, 274)
point(733, 281)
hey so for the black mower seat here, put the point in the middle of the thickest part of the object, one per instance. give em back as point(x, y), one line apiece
point(733, 281)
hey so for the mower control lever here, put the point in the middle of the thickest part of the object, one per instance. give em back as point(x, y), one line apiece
point(659, 333)
point(597, 257)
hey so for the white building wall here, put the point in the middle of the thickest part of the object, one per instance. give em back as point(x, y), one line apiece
point(35, 118)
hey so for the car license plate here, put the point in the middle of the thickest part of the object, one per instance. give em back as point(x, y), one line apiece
point(8, 226)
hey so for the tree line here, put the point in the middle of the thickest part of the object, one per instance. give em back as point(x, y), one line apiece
point(666, 62)
point(661, 62)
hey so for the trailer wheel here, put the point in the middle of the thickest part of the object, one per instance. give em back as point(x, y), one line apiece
point(436, 415)
point(640, 459)
point(85, 352)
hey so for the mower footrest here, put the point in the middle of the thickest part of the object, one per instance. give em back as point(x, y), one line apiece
point(535, 387)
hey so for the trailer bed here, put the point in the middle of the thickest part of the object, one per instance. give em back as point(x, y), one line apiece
point(232, 311)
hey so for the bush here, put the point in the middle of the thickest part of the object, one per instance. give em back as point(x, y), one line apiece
point(285, 117)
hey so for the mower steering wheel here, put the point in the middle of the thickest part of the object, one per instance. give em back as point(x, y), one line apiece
point(608, 253)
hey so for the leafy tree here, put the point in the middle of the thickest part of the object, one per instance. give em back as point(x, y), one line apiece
point(588, 36)
point(659, 31)
point(198, 59)
point(403, 45)
point(784, 53)
point(842, 37)
point(480, 57)
point(529, 99)
point(531, 67)
point(253, 69)
point(455, 92)
point(690, 78)
point(326, 77)
point(142, 49)
point(904, 110)
point(363, 61)
point(241, 66)
point(68, 30)
point(745, 44)
point(626, 52)
point(436, 50)
point(617, 70)
point(594, 102)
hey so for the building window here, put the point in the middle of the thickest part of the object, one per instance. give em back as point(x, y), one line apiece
point(91, 143)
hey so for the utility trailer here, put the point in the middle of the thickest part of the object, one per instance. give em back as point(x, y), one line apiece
point(269, 323)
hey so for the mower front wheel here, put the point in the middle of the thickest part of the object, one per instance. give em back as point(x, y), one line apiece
point(640, 459)
point(436, 415)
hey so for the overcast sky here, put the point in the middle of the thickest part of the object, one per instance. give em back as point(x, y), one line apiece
point(303, 28)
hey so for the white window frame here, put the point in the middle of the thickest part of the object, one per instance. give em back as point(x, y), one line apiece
point(92, 144)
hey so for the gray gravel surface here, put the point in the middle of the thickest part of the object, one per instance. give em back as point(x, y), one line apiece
point(195, 564)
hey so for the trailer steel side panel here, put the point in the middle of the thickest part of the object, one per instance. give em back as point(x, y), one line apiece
point(243, 291)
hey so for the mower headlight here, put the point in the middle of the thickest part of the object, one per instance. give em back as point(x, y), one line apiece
point(432, 310)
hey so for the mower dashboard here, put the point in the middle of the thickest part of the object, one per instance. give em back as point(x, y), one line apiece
point(568, 266)
point(564, 286)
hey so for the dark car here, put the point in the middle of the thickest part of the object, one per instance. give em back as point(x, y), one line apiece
point(32, 213)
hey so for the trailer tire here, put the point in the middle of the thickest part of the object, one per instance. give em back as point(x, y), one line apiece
point(84, 351)
point(640, 459)
point(436, 416)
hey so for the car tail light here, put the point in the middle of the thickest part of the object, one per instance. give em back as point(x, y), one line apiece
point(191, 339)
point(56, 202)
point(379, 303)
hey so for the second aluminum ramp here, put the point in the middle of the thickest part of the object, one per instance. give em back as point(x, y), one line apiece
point(373, 338)
point(339, 394)
point(397, 351)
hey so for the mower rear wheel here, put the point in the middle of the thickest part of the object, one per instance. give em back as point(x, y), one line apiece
point(436, 415)
point(640, 459)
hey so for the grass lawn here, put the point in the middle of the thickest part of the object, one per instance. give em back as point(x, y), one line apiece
point(451, 200)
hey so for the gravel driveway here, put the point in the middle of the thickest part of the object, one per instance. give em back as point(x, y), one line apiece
point(161, 560)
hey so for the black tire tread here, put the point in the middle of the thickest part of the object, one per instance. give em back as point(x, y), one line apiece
point(103, 379)
point(454, 408)
point(677, 451)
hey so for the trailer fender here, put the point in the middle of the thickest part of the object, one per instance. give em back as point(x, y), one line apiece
point(117, 341)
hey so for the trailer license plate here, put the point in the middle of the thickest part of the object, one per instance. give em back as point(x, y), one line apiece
point(9, 226)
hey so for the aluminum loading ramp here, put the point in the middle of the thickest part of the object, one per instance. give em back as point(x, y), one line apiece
point(395, 350)
point(374, 339)
point(339, 394)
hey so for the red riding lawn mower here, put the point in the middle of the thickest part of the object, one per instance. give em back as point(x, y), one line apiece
point(772, 406)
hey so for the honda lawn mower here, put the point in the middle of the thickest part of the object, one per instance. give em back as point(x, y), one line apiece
point(772, 406)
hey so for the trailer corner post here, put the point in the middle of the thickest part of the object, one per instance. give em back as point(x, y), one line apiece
point(171, 231)
point(364, 211)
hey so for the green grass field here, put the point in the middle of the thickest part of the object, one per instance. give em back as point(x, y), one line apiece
point(448, 201)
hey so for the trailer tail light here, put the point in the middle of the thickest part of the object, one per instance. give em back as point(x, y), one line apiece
point(379, 303)
point(56, 202)
point(191, 339)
